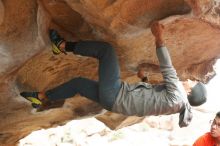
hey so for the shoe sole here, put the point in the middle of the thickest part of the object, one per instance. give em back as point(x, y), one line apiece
point(34, 102)
point(56, 50)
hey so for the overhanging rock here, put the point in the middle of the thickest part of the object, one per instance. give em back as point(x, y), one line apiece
point(192, 31)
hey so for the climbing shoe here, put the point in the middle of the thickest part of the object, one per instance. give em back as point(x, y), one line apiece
point(33, 98)
point(56, 41)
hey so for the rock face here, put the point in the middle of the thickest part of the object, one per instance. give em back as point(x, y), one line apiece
point(192, 30)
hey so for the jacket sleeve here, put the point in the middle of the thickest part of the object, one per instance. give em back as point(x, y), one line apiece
point(167, 69)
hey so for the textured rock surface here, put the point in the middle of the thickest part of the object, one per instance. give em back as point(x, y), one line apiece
point(191, 33)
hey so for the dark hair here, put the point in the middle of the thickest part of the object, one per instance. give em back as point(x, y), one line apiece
point(218, 114)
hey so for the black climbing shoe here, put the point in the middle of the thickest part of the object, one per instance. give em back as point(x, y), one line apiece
point(56, 40)
point(33, 98)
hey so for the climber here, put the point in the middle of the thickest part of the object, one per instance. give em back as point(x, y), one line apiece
point(140, 99)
